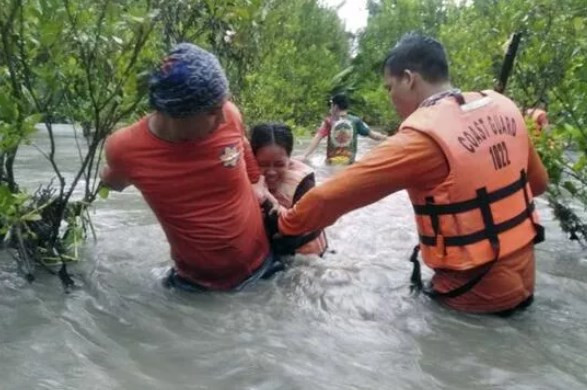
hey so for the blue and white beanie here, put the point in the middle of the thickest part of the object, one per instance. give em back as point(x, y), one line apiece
point(189, 81)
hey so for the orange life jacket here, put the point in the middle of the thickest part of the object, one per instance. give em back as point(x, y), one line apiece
point(284, 194)
point(483, 210)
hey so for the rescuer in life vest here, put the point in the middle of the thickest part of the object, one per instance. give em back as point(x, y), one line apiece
point(471, 173)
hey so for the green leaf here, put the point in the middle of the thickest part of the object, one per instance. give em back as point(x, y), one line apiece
point(137, 19)
point(569, 186)
point(33, 119)
point(8, 108)
point(103, 192)
point(580, 164)
point(33, 217)
point(50, 32)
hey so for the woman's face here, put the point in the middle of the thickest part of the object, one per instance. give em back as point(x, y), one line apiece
point(273, 162)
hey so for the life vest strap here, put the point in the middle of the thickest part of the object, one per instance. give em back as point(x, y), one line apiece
point(430, 208)
point(287, 245)
point(490, 233)
point(416, 278)
point(307, 238)
point(540, 235)
point(481, 234)
point(472, 204)
point(418, 286)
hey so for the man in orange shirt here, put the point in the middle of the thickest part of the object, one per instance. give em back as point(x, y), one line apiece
point(194, 167)
point(470, 171)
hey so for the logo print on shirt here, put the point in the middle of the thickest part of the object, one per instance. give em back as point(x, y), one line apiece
point(230, 156)
point(342, 133)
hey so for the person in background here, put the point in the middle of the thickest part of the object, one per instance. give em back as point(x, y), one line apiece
point(538, 117)
point(341, 130)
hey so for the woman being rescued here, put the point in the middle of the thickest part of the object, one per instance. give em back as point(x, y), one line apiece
point(287, 179)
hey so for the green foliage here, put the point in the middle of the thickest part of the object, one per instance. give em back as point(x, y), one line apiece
point(388, 21)
point(301, 47)
point(548, 68)
point(10, 206)
point(280, 56)
point(103, 192)
point(78, 61)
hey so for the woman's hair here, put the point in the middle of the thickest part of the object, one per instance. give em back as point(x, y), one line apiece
point(272, 134)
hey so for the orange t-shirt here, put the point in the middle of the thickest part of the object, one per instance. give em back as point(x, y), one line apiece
point(201, 193)
point(411, 159)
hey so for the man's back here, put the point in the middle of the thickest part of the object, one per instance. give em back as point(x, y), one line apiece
point(342, 136)
point(201, 195)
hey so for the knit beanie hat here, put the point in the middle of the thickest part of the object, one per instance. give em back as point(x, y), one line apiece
point(190, 80)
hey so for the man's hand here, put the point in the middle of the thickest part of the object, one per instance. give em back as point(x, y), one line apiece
point(281, 245)
point(313, 145)
point(271, 218)
point(377, 136)
point(263, 195)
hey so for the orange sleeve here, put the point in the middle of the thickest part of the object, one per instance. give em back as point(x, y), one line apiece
point(408, 159)
point(537, 175)
point(113, 152)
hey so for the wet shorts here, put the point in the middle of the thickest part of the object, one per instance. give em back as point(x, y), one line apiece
point(521, 306)
point(270, 266)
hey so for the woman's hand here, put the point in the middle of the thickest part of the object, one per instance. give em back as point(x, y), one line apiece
point(262, 193)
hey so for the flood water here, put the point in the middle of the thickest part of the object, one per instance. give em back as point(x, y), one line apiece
point(346, 321)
